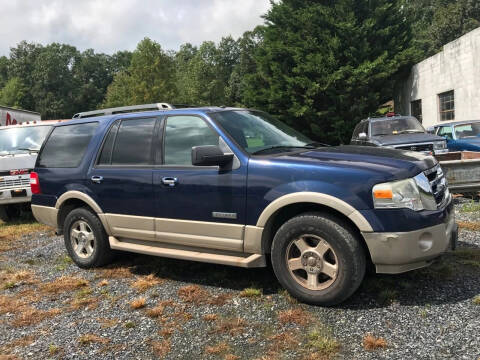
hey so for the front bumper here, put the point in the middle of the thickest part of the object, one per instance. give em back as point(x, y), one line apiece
point(9, 196)
point(397, 252)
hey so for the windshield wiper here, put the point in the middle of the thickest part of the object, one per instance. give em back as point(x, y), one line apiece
point(30, 150)
point(316, 144)
point(280, 147)
point(409, 131)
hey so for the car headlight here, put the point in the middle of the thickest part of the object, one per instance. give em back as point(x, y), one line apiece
point(439, 145)
point(414, 193)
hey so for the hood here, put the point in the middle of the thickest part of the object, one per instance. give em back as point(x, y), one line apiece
point(17, 161)
point(387, 163)
point(406, 138)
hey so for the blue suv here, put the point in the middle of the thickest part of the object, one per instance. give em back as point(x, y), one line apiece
point(231, 186)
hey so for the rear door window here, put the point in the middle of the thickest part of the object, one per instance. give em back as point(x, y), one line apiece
point(66, 145)
point(129, 143)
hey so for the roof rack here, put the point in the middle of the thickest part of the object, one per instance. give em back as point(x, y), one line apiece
point(124, 109)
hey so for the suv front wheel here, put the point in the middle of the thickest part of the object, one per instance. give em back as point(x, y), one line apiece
point(85, 239)
point(318, 259)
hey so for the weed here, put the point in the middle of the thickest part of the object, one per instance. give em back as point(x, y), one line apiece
point(220, 348)
point(64, 283)
point(63, 262)
point(476, 300)
point(283, 341)
point(83, 293)
point(146, 282)
point(232, 326)
point(104, 282)
point(129, 325)
point(468, 225)
point(231, 357)
point(161, 348)
point(9, 285)
point(320, 341)
point(287, 296)
point(468, 256)
point(53, 349)
point(28, 316)
point(168, 330)
point(294, 316)
point(92, 338)
point(370, 342)
point(387, 296)
point(251, 293)
point(472, 206)
point(210, 317)
point(193, 294)
point(10, 233)
point(138, 303)
point(115, 272)
point(157, 311)
point(220, 300)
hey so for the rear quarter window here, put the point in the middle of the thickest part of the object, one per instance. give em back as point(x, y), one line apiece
point(66, 145)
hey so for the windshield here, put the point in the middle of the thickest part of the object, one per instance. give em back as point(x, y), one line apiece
point(396, 126)
point(22, 139)
point(467, 130)
point(257, 131)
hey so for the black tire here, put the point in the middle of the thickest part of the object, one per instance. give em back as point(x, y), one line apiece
point(349, 258)
point(101, 253)
point(10, 212)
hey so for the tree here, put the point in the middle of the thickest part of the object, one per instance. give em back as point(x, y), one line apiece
point(324, 65)
point(12, 93)
point(150, 78)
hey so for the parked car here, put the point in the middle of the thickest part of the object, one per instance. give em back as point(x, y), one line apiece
point(397, 132)
point(189, 184)
point(460, 136)
point(19, 146)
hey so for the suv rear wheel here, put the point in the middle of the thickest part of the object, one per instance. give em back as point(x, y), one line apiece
point(318, 259)
point(85, 239)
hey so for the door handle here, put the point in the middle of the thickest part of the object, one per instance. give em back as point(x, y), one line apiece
point(97, 179)
point(169, 181)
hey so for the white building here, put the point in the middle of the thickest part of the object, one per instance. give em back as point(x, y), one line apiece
point(445, 87)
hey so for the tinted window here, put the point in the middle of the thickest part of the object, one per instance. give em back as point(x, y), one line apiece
point(66, 145)
point(133, 144)
point(106, 155)
point(181, 134)
point(445, 131)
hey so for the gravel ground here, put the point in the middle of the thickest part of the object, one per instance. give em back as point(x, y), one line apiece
point(195, 310)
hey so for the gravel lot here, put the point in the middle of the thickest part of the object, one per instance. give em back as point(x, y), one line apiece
point(49, 308)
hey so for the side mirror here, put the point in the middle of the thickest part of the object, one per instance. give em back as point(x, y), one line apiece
point(209, 155)
point(362, 136)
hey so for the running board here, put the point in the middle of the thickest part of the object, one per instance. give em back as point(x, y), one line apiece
point(215, 257)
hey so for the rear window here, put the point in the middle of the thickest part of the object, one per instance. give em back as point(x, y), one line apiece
point(66, 145)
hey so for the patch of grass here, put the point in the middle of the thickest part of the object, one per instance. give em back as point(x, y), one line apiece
point(220, 348)
point(210, 317)
point(231, 326)
point(53, 349)
point(92, 338)
point(220, 300)
point(387, 296)
point(251, 293)
point(107, 323)
point(138, 303)
point(146, 282)
point(29, 316)
point(322, 343)
point(168, 330)
point(102, 283)
point(10, 278)
point(476, 300)
point(63, 284)
point(161, 348)
point(82, 293)
point(294, 316)
point(371, 342)
point(283, 341)
point(157, 311)
point(9, 285)
point(87, 302)
point(115, 272)
point(288, 297)
point(193, 294)
point(11, 232)
point(471, 206)
point(468, 225)
point(231, 357)
point(468, 257)
point(63, 262)
point(129, 325)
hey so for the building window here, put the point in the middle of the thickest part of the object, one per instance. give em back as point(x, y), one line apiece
point(416, 109)
point(447, 106)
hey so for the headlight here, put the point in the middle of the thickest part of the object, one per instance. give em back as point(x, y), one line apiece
point(439, 145)
point(414, 193)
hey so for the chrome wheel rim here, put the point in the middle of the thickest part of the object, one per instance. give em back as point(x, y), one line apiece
point(312, 262)
point(82, 238)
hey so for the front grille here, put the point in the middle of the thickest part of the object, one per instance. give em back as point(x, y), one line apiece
point(14, 182)
point(416, 147)
point(438, 183)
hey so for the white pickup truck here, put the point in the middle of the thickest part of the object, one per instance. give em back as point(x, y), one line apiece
point(19, 146)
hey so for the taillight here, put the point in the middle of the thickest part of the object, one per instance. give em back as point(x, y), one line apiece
point(34, 183)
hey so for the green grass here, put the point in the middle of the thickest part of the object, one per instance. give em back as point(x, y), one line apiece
point(468, 257)
point(476, 300)
point(251, 292)
point(9, 285)
point(129, 325)
point(321, 341)
point(471, 206)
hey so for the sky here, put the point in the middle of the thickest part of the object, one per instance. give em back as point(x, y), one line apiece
point(111, 25)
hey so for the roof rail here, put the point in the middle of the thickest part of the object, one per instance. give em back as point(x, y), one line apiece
point(124, 109)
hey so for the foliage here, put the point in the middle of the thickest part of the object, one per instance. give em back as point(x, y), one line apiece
point(323, 66)
point(13, 93)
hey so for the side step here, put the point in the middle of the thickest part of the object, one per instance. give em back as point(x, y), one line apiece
point(215, 257)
